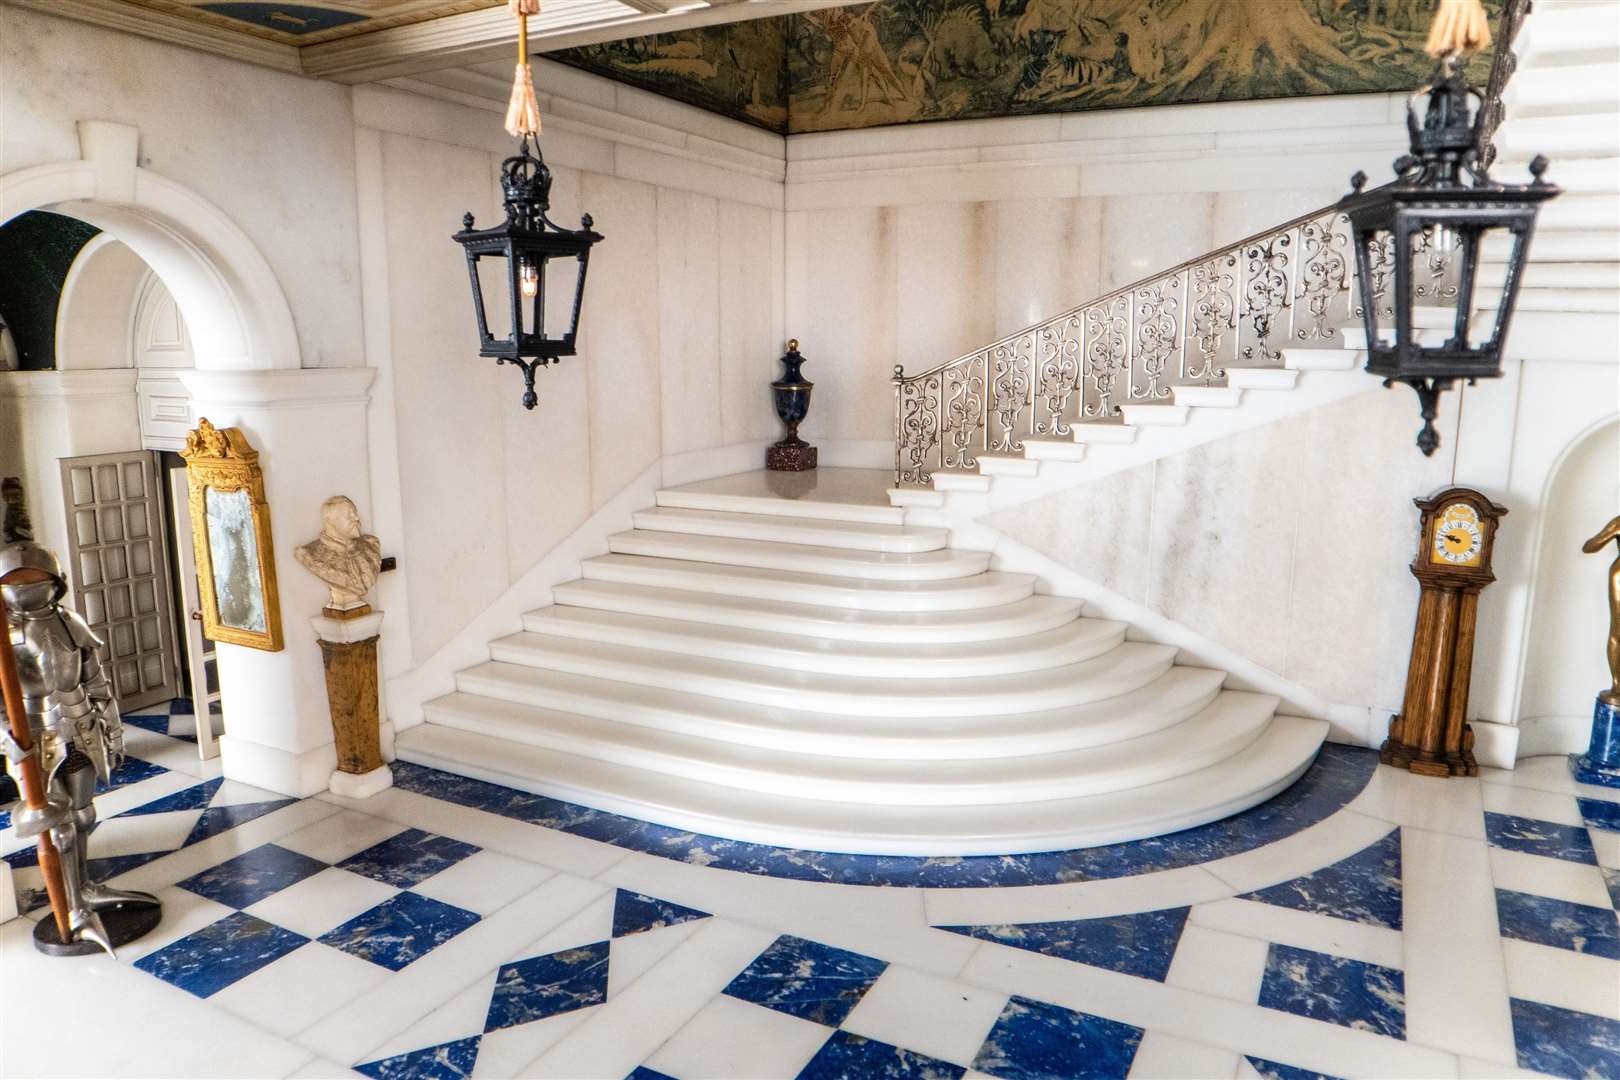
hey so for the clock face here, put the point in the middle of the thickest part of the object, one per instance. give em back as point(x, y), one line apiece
point(1459, 538)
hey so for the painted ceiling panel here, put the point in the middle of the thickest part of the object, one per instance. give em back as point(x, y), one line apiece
point(909, 61)
point(313, 22)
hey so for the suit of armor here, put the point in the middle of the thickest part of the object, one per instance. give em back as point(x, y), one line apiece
point(73, 719)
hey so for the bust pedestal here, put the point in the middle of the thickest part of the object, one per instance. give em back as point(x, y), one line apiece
point(348, 640)
point(1601, 762)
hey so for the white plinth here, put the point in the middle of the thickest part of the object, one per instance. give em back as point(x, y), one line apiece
point(347, 631)
point(363, 786)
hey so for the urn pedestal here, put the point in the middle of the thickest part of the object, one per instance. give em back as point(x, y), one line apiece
point(348, 640)
point(1601, 762)
point(791, 394)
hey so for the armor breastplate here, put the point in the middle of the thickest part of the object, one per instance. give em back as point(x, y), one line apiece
point(51, 669)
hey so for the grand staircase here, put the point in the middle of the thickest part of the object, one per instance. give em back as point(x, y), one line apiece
point(795, 666)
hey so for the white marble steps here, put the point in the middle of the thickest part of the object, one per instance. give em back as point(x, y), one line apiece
point(1079, 639)
point(982, 590)
point(934, 565)
point(1266, 766)
point(855, 535)
point(824, 494)
point(1226, 727)
point(1177, 695)
point(1124, 668)
point(1031, 615)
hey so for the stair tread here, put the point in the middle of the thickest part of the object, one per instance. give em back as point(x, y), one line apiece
point(1073, 640)
point(1125, 667)
point(996, 586)
point(1177, 693)
point(976, 624)
point(826, 494)
point(868, 535)
point(1222, 728)
point(769, 554)
point(1273, 761)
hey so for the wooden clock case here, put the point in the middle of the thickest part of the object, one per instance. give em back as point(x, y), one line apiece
point(1430, 735)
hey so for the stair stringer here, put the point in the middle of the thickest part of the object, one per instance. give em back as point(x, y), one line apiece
point(1313, 389)
point(1356, 725)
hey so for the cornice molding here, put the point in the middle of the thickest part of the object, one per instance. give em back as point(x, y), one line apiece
point(286, 388)
point(68, 383)
point(171, 29)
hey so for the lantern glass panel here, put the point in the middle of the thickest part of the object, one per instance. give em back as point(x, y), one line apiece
point(1375, 282)
point(1438, 254)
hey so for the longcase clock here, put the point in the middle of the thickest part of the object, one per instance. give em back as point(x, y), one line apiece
point(1431, 735)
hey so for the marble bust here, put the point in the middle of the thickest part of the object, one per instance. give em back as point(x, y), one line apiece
point(343, 557)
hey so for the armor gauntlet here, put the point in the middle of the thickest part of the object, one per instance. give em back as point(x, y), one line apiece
point(108, 720)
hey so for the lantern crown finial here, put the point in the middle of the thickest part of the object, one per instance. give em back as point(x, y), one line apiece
point(526, 187)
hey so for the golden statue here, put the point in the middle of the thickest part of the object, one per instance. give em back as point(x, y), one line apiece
point(1611, 531)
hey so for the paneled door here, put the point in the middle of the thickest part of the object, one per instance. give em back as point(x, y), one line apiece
point(119, 560)
point(201, 659)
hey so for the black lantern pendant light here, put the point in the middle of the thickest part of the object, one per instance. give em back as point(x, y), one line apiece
point(1442, 204)
point(534, 253)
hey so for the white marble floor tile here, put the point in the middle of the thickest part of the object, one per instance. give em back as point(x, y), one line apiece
point(174, 754)
point(351, 1032)
point(734, 1040)
point(485, 881)
point(1079, 900)
point(502, 1054)
point(934, 1016)
point(1249, 1029)
point(292, 993)
point(340, 835)
point(1538, 875)
point(883, 922)
point(1456, 987)
point(1324, 843)
point(235, 792)
point(1547, 773)
point(217, 849)
point(1303, 929)
point(1531, 803)
point(1475, 1069)
point(1222, 964)
point(1170, 1057)
point(321, 902)
point(589, 924)
point(321, 1069)
point(1607, 845)
point(1570, 980)
point(1423, 802)
point(632, 956)
point(459, 1016)
point(147, 832)
point(138, 1025)
point(624, 1032)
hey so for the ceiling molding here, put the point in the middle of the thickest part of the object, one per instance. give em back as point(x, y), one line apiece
point(479, 36)
point(173, 29)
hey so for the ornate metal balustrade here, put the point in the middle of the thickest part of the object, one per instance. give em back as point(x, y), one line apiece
point(1239, 305)
point(1503, 65)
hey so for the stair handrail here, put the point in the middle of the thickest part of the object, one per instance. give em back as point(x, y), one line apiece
point(1238, 302)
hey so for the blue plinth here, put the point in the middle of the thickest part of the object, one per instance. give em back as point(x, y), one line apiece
point(1601, 762)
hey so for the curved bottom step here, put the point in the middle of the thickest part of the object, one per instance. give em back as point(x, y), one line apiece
point(1272, 762)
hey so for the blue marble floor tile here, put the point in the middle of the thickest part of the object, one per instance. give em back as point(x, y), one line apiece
point(1600, 813)
point(217, 819)
point(132, 771)
point(807, 979)
point(399, 930)
point(549, 985)
point(447, 1061)
point(635, 912)
point(1337, 776)
point(1611, 878)
point(216, 956)
point(846, 1055)
point(1276, 1070)
point(1141, 944)
point(23, 857)
point(1563, 1042)
point(641, 1072)
point(409, 858)
point(253, 875)
point(196, 797)
point(1033, 1040)
point(1365, 888)
point(1535, 837)
point(154, 722)
point(1544, 920)
point(1351, 993)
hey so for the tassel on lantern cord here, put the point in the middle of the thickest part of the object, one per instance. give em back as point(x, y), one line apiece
point(523, 111)
point(1460, 29)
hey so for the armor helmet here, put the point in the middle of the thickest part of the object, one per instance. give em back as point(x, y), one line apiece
point(34, 596)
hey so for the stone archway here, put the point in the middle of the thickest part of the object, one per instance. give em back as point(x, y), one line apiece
point(232, 303)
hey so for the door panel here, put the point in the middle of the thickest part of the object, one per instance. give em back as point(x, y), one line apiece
point(120, 563)
point(202, 669)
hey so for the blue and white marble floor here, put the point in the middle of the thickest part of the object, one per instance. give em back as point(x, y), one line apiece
point(1366, 923)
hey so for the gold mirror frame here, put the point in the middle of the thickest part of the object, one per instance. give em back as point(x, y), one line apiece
point(224, 461)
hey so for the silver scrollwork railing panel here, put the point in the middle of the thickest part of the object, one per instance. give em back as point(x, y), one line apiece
point(1058, 375)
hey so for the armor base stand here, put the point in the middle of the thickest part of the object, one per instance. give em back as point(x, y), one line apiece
point(123, 922)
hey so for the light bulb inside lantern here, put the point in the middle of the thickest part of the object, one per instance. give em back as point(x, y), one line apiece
point(529, 279)
point(1445, 239)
